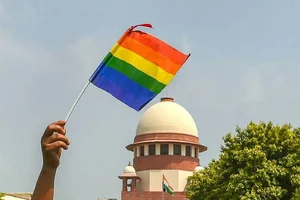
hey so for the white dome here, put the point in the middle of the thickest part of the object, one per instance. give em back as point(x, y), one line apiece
point(198, 168)
point(167, 117)
point(129, 170)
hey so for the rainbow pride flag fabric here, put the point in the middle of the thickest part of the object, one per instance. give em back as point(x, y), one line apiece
point(137, 68)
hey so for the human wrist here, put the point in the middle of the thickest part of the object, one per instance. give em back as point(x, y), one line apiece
point(48, 169)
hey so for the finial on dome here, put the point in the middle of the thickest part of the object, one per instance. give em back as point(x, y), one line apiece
point(164, 99)
point(129, 170)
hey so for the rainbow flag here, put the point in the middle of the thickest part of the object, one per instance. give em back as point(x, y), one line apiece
point(138, 68)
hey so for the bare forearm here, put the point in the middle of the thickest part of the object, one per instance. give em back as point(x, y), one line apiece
point(52, 143)
point(44, 189)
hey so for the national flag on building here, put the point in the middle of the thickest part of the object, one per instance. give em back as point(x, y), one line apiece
point(167, 187)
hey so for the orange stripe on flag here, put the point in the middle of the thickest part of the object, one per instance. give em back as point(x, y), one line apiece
point(157, 45)
point(149, 54)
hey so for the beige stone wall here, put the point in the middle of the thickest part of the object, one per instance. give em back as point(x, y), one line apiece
point(151, 180)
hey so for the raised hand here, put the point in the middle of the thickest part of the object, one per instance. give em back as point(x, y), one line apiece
point(53, 141)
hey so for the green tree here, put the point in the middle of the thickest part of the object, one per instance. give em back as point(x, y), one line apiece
point(262, 161)
point(2, 195)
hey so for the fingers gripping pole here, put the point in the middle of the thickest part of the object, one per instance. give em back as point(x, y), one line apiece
point(77, 100)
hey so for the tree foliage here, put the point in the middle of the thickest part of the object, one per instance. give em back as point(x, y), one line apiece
point(2, 195)
point(262, 161)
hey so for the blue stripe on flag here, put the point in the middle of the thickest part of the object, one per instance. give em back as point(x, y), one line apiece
point(121, 87)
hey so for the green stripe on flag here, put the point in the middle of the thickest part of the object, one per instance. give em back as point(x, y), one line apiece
point(168, 189)
point(134, 74)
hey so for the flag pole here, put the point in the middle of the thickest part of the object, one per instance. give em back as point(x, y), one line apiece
point(77, 100)
point(163, 191)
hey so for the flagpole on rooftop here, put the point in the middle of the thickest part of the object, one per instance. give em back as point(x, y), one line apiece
point(163, 189)
point(77, 100)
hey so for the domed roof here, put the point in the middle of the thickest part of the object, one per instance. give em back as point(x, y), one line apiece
point(129, 170)
point(198, 168)
point(167, 117)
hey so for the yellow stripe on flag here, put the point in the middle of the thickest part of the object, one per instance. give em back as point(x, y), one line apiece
point(142, 64)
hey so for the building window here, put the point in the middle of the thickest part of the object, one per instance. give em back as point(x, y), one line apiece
point(188, 150)
point(196, 153)
point(151, 149)
point(142, 151)
point(164, 149)
point(177, 149)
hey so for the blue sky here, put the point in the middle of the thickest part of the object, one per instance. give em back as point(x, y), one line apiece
point(244, 66)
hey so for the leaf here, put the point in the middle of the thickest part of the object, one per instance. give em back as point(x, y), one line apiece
point(261, 161)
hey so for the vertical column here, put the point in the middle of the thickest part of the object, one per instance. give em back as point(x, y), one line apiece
point(192, 151)
point(138, 151)
point(157, 149)
point(146, 151)
point(133, 184)
point(135, 152)
point(183, 150)
point(171, 149)
point(124, 184)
